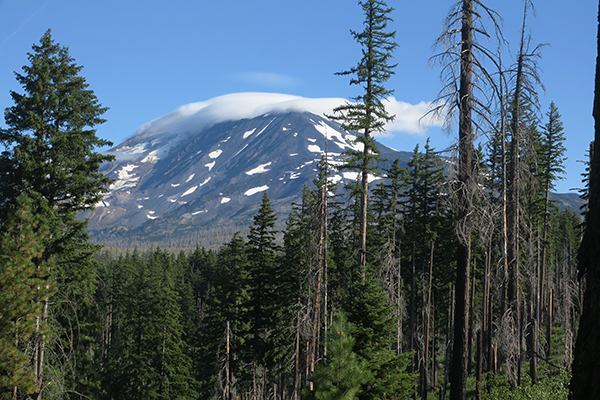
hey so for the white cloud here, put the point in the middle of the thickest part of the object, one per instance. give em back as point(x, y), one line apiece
point(410, 118)
point(194, 117)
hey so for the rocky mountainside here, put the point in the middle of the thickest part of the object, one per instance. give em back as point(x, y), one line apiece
point(179, 181)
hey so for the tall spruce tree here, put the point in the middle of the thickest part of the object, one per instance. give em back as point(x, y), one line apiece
point(50, 152)
point(368, 114)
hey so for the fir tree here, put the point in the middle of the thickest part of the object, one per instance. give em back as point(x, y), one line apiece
point(368, 114)
point(147, 357)
point(343, 373)
point(226, 321)
point(50, 143)
point(374, 331)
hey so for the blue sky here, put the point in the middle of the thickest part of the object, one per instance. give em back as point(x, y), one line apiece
point(145, 59)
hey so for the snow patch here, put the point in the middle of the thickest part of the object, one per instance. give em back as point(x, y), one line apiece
point(255, 190)
point(210, 165)
point(190, 191)
point(205, 182)
point(175, 184)
point(312, 140)
point(313, 148)
point(215, 154)
point(293, 154)
point(199, 212)
point(125, 178)
point(248, 133)
point(259, 170)
point(263, 129)
point(225, 200)
point(335, 178)
point(190, 178)
point(354, 175)
point(151, 157)
point(241, 150)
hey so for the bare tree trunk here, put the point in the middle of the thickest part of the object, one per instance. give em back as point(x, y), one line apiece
point(458, 373)
point(549, 326)
point(39, 350)
point(227, 370)
point(362, 250)
point(297, 365)
point(485, 325)
point(426, 322)
point(513, 197)
point(449, 345)
point(479, 372)
point(413, 311)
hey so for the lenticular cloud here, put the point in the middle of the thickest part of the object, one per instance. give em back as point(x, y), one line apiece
point(197, 116)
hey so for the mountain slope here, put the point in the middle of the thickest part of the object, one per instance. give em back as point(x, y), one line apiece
point(188, 181)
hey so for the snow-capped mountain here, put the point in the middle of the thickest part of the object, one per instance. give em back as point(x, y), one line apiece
point(201, 170)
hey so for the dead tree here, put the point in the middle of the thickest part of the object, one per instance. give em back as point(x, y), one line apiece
point(586, 369)
point(466, 84)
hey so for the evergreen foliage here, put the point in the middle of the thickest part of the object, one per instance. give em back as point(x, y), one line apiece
point(253, 320)
point(340, 377)
point(367, 115)
point(50, 152)
point(22, 284)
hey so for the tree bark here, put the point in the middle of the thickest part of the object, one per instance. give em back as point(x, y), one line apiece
point(586, 368)
point(458, 373)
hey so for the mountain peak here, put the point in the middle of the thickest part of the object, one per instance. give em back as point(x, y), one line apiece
point(200, 167)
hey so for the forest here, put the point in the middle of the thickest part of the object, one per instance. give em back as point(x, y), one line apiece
point(453, 277)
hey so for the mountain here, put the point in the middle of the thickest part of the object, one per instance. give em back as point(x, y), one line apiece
point(198, 174)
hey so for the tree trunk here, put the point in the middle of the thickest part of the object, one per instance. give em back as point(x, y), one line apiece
point(40, 350)
point(449, 345)
point(458, 373)
point(549, 327)
point(426, 322)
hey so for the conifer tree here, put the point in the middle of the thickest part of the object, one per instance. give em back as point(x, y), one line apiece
point(147, 357)
point(341, 376)
point(374, 328)
point(368, 114)
point(50, 152)
point(272, 293)
point(226, 316)
point(22, 284)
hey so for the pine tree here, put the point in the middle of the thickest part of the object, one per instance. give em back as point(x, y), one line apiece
point(368, 114)
point(50, 143)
